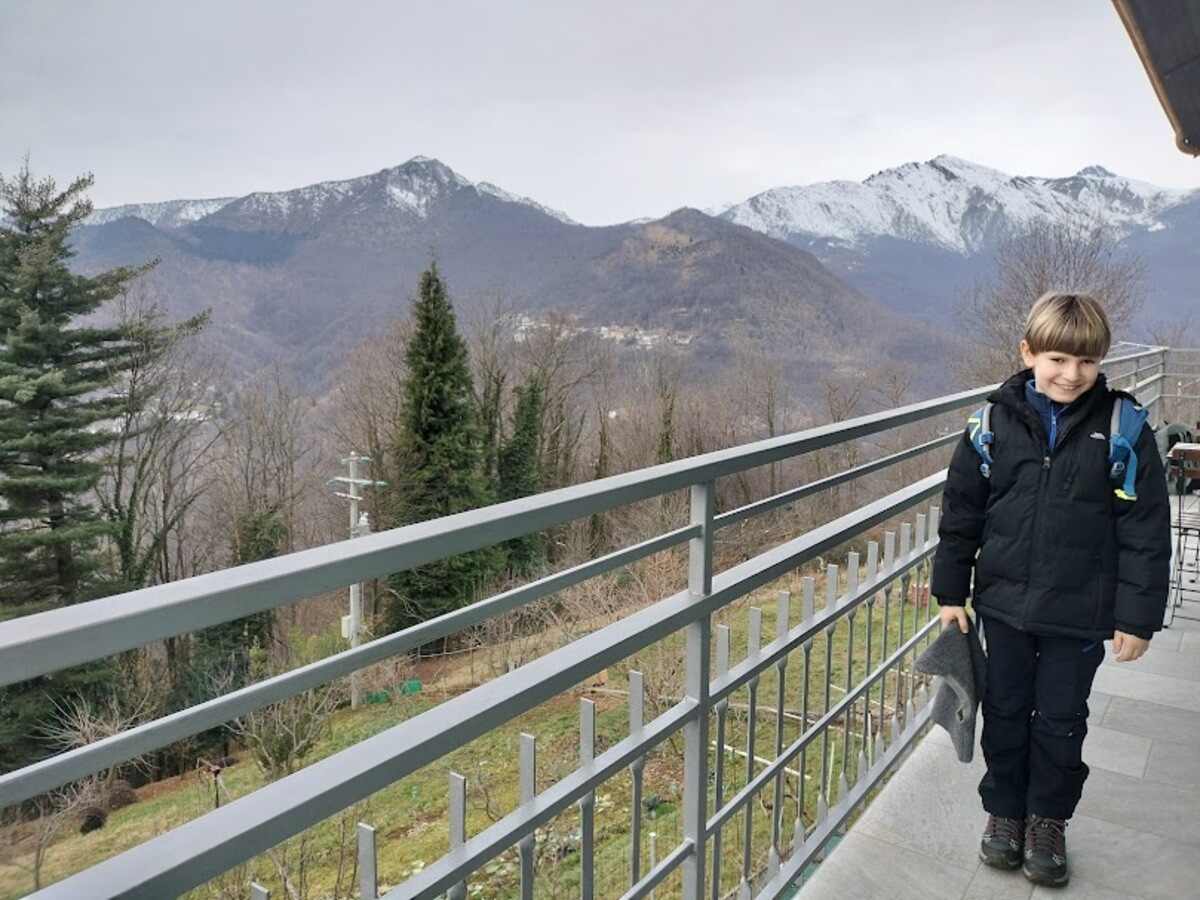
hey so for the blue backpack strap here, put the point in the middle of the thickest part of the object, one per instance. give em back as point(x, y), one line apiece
point(1124, 429)
point(980, 432)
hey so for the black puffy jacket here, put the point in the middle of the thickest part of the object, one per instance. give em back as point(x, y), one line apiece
point(1058, 552)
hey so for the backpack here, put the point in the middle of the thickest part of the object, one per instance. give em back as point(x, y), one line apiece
point(1124, 428)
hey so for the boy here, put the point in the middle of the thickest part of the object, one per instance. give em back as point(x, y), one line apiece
point(1064, 564)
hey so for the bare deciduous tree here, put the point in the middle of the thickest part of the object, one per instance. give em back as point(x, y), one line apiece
point(154, 471)
point(279, 736)
point(78, 721)
point(368, 401)
point(1068, 255)
point(30, 842)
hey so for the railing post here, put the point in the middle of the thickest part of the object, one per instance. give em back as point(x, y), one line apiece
point(653, 855)
point(637, 775)
point(528, 845)
point(782, 617)
point(587, 805)
point(368, 880)
point(695, 733)
point(753, 648)
point(719, 759)
point(1155, 407)
point(808, 588)
point(458, 827)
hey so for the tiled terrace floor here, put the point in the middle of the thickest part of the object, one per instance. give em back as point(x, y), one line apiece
point(1135, 835)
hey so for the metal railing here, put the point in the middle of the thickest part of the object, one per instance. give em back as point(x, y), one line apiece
point(880, 712)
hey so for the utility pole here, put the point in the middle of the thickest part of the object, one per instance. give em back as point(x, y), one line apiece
point(359, 525)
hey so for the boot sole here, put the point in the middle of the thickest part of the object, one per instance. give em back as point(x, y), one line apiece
point(1046, 880)
point(999, 861)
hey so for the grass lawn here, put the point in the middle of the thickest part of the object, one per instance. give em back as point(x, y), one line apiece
point(410, 816)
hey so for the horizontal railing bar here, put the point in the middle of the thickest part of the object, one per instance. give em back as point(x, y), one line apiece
point(785, 878)
point(197, 851)
point(767, 775)
point(489, 843)
point(1146, 383)
point(80, 762)
point(58, 639)
point(771, 654)
point(1130, 357)
point(660, 872)
point(759, 507)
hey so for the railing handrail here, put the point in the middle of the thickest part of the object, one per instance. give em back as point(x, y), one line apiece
point(57, 639)
point(185, 857)
point(198, 850)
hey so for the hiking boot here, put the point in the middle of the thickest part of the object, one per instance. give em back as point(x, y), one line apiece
point(1046, 851)
point(1000, 846)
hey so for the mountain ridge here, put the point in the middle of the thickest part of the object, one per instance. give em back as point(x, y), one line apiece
point(302, 275)
point(951, 203)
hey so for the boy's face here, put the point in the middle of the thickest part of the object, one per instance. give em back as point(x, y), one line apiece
point(1061, 376)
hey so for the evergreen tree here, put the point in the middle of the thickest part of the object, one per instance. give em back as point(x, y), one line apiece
point(222, 656)
point(222, 652)
point(489, 419)
point(598, 531)
point(438, 459)
point(665, 451)
point(56, 394)
point(519, 474)
point(56, 388)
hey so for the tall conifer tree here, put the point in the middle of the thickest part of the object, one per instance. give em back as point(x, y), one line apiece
point(519, 472)
point(56, 394)
point(438, 458)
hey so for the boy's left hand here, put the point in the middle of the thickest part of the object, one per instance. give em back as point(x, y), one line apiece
point(1128, 647)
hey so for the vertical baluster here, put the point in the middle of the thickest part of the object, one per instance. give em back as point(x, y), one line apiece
point(753, 649)
point(368, 863)
point(587, 805)
point(889, 563)
point(722, 716)
point(844, 780)
point(782, 615)
point(653, 854)
point(528, 844)
point(872, 574)
point(934, 514)
point(831, 589)
point(798, 836)
point(458, 827)
point(921, 605)
point(898, 718)
point(695, 732)
point(258, 892)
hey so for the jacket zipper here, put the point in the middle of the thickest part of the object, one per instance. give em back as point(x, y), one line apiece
point(1044, 474)
point(1043, 479)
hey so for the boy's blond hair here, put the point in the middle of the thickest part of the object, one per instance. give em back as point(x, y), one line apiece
point(1069, 323)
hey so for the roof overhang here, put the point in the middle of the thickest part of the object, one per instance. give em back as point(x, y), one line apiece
point(1166, 35)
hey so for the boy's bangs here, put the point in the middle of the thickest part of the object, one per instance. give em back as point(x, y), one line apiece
point(1068, 323)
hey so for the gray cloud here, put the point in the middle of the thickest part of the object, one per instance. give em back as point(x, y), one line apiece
point(607, 111)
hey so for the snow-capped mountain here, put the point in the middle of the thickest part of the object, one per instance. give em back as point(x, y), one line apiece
point(952, 204)
point(410, 190)
point(168, 214)
point(486, 188)
point(918, 236)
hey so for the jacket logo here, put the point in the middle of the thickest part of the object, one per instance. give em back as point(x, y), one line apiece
point(1098, 436)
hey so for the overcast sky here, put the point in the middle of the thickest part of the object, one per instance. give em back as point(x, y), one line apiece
point(608, 111)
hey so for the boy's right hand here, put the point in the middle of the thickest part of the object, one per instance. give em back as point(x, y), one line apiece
point(951, 614)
